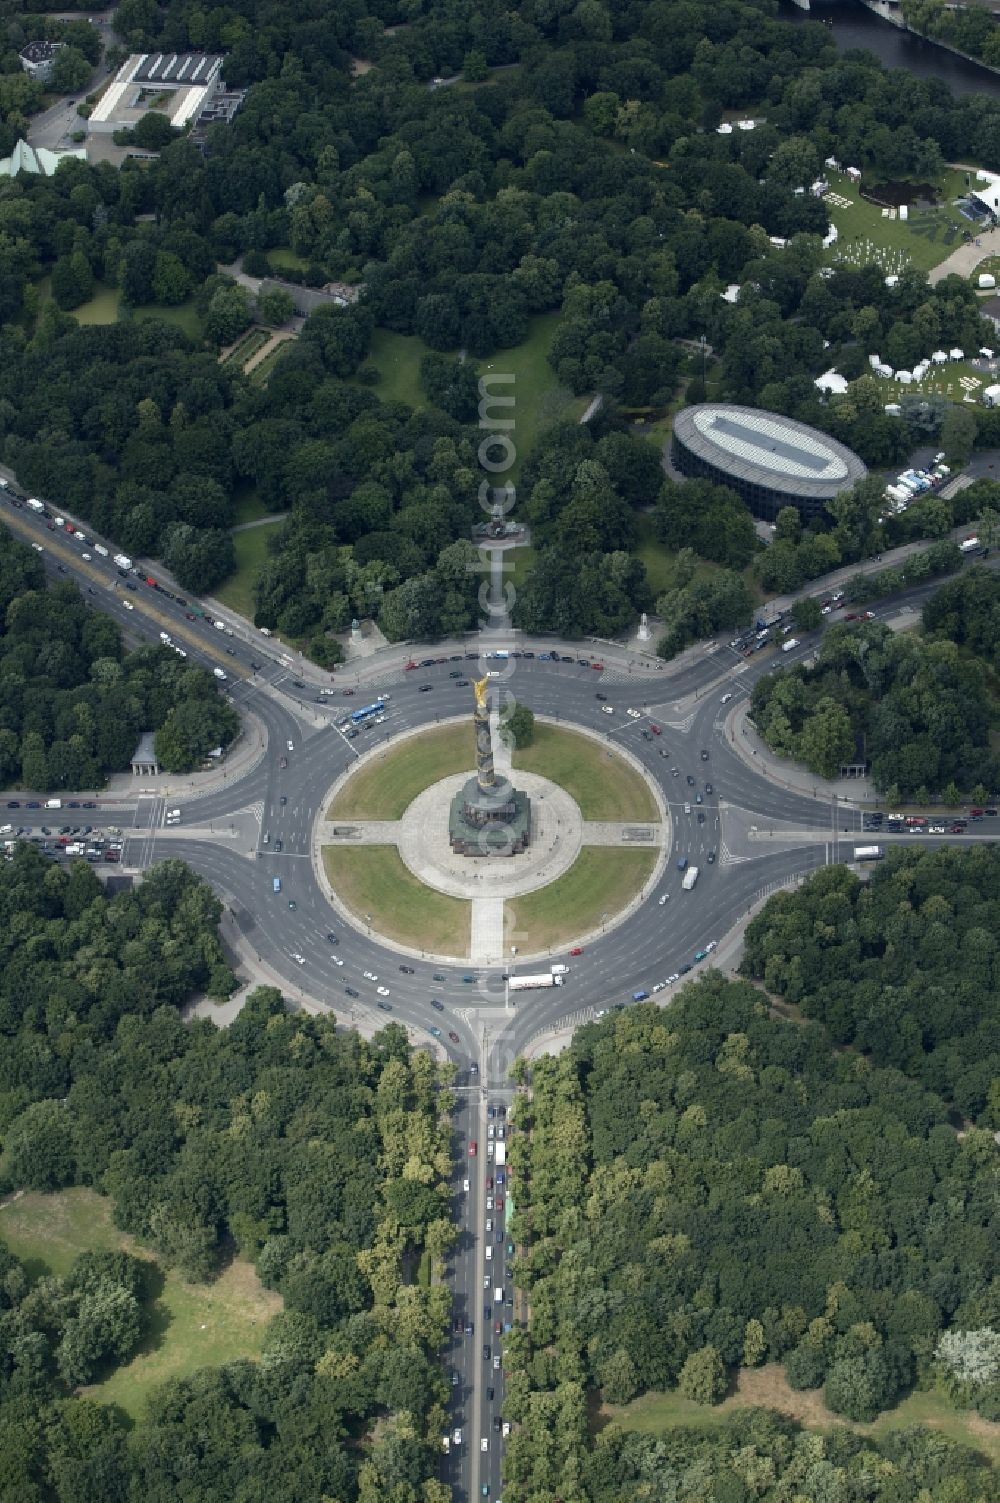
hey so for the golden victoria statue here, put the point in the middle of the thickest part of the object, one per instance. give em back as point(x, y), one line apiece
point(480, 685)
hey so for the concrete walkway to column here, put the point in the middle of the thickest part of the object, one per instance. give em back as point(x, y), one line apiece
point(486, 940)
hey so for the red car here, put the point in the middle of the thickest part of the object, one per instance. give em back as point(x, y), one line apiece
point(499, 1202)
point(852, 617)
point(956, 829)
point(70, 527)
point(576, 950)
point(473, 1148)
point(489, 1182)
point(410, 666)
point(654, 728)
point(347, 691)
point(597, 667)
point(454, 1036)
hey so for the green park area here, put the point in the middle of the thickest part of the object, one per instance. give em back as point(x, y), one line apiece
point(603, 784)
point(388, 783)
point(767, 1387)
point(538, 398)
point(104, 308)
point(283, 258)
point(251, 550)
point(601, 882)
point(866, 234)
point(372, 881)
point(188, 1325)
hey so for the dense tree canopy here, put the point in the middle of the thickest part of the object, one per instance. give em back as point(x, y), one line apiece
point(578, 177)
point(918, 708)
point(73, 701)
point(322, 1158)
point(716, 1185)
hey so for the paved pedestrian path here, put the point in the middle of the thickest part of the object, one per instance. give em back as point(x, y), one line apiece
point(486, 942)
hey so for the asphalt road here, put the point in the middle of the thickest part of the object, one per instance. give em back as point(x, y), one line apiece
point(762, 834)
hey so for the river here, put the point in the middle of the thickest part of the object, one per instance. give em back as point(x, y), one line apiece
point(855, 26)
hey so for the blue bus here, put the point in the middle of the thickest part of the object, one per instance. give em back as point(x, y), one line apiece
point(368, 711)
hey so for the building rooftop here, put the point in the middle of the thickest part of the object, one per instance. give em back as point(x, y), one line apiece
point(767, 449)
point(39, 52)
point(37, 159)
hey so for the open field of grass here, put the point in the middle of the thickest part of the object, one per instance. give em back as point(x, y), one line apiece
point(389, 783)
point(865, 235)
point(767, 1387)
point(251, 550)
point(102, 308)
point(185, 316)
point(655, 555)
point(397, 358)
point(282, 256)
point(947, 380)
point(371, 879)
point(249, 505)
point(539, 400)
point(538, 397)
point(190, 1325)
point(601, 880)
point(604, 785)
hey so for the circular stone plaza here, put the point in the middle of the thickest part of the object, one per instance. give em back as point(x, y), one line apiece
point(769, 460)
point(534, 851)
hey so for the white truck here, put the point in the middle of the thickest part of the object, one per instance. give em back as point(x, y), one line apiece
point(498, 1296)
point(690, 878)
point(100, 548)
point(868, 853)
point(967, 545)
point(123, 561)
point(529, 983)
point(559, 970)
point(34, 505)
point(792, 642)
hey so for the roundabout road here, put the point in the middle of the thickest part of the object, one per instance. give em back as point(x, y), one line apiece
point(242, 831)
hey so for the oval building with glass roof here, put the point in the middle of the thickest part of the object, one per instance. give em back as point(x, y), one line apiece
point(769, 460)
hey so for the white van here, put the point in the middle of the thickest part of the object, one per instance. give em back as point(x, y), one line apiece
point(53, 803)
point(173, 815)
point(219, 673)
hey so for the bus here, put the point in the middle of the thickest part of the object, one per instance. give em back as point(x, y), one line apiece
point(367, 711)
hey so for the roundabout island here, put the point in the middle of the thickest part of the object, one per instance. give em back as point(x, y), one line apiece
point(510, 862)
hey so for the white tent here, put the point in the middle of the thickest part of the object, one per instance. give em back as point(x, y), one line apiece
point(986, 353)
point(893, 409)
point(831, 236)
point(832, 162)
point(956, 354)
point(939, 357)
point(885, 370)
point(874, 361)
point(854, 173)
point(725, 129)
point(731, 294)
point(833, 382)
point(746, 124)
point(904, 211)
point(892, 281)
point(991, 396)
point(904, 377)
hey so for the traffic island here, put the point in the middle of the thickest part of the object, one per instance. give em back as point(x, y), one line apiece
point(399, 874)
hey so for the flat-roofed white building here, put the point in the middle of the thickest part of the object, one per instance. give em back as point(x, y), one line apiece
point(178, 84)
